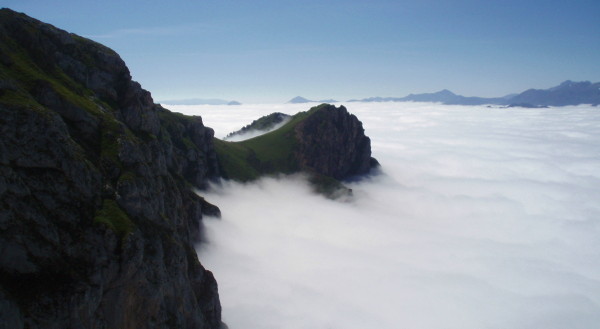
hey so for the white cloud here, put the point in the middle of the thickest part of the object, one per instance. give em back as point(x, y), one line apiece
point(483, 218)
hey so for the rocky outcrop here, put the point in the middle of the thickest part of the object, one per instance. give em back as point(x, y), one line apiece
point(98, 217)
point(326, 142)
point(332, 142)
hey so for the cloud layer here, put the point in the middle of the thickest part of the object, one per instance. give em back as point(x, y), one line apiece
point(482, 218)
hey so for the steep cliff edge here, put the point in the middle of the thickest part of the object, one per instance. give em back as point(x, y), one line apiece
point(332, 142)
point(98, 216)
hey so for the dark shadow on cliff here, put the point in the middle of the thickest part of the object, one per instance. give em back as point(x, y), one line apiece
point(98, 214)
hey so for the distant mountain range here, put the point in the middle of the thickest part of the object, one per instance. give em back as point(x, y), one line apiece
point(444, 96)
point(567, 93)
point(300, 100)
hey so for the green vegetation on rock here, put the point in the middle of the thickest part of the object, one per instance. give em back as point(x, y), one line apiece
point(27, 77)
point(264, 123)
point(325, 135)
point(235, 161)
point(114, 218)
point(84, 147)
point(271, 153)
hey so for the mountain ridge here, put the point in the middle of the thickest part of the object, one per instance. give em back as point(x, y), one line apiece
point(566, 93)
point(261, 125)
point(326, 142)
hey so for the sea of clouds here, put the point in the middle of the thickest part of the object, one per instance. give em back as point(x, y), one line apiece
point(481, 218)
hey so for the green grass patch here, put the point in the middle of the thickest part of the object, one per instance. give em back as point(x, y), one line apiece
point(114, 218)
point(127, 176)
point(235, 161)
point(270, 153)
point(273, 153)
point(14, 97)
point(27, 74)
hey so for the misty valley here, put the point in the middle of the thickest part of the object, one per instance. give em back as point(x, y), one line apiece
point(480, 218)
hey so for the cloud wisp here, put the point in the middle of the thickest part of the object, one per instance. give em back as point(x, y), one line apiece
point(482, 218)
point(255, 132)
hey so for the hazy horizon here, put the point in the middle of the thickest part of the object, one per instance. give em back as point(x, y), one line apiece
point(209, 101)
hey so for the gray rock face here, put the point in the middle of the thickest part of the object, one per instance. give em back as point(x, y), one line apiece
point(97, 213)
point(332, 142)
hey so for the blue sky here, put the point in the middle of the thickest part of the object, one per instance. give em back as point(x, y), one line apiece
point(273, 50)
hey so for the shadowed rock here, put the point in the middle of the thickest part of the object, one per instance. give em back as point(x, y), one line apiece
point(332, 142)
point(98, 215)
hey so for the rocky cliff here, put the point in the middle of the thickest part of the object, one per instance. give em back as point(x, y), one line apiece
point(98, 216)
point(327, 142)
point(332, 142)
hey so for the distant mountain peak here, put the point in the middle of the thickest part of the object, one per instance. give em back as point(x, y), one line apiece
point(445, 92)
point(299, 100)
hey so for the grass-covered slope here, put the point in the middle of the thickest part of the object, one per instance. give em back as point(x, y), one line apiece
point(263, 124)
point(270, 153)
point(326, 142)
point(24, 70)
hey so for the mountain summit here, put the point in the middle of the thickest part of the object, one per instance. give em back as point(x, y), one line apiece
point(299, 100)
point(326, 142)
